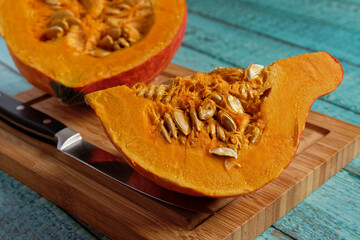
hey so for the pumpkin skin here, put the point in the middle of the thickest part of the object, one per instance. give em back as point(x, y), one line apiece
point(56, 68)
point(295, 83)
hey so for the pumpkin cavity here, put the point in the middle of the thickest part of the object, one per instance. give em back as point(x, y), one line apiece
point(219, 110)
point(95, 27)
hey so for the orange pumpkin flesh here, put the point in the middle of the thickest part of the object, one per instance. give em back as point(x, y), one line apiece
point(64, 67)
point(293, 84)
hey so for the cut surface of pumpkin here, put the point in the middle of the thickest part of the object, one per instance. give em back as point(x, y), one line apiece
point(80, 46)
point(217, 134)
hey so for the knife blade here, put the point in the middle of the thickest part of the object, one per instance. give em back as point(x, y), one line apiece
point(72, 144)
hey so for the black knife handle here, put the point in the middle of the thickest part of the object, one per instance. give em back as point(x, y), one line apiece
point(28, 118)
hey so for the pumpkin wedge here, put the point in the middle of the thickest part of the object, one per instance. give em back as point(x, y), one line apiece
point(69, 48)
point(217, 134)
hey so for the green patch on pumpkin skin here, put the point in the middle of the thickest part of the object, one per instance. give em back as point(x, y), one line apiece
point(67, 95)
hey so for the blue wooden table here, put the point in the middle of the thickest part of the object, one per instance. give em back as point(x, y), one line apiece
point(235, 33)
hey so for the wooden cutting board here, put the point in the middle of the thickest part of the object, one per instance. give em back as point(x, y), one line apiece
point(327, 146)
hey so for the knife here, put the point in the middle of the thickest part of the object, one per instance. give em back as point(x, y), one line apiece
point(72, 144)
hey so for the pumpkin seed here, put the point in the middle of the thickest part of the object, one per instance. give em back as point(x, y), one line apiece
point(181, 122)
point(164, 132)
point(137, 87)
point(216, 98)
point(52, 2)
point(170, 125)
point(150, 93)
point(112, 11)
point(61, 23)
point(114, 32)
point(116, 46)
point(124, 6)
point(54, 32)
point(235, 104)
point(224, 152)
point(243, 91)
point(56, 7)
point(131, 33)
point(72, 21)
point(160, 92)
point(61, 14)
point(212, 127)
point(255, 135)
point(220, 133)
point(114, 21)
point(106, 42)
point(98, 52)
point(167, 99)
point(253, 71)
point(206, 110)
point(227, 121)
point(220, 69)
point(124, 43)
point(194, 119)
point(229, 163)
point(142, 92)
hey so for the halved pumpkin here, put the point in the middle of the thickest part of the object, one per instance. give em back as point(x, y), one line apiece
point(72, 47)
point(217, 134)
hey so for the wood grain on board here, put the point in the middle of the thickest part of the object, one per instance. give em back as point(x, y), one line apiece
point(327, 146)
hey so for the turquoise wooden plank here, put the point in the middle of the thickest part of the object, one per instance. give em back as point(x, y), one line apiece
point(331, 212)
point(12, 82)
point(24, 214)
point(237, 45)
point(252, 48)
point(344, 14)
point(336, 111)
point(233, 45)
point(196, 60)
point(5, 57)
point(354, 167)
point(292, 23)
